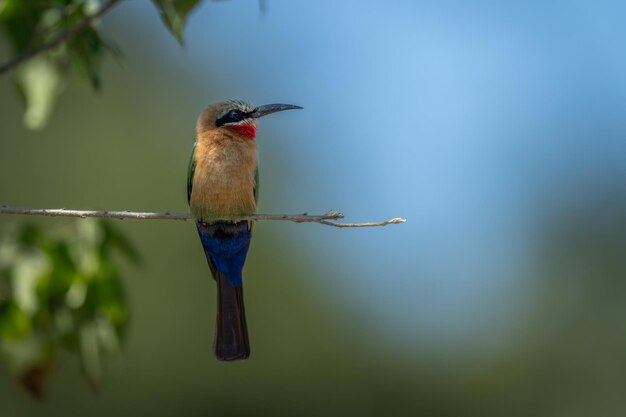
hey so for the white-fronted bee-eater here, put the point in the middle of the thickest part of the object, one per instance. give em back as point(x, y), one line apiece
point(222, 187)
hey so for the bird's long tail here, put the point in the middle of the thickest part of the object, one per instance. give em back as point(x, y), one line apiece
point(231, 332)
point(226, 245)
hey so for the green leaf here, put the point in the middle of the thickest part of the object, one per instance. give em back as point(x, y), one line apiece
point(40, 82)
point(27, 273)
point(113, 49)
point(90, 353)
point(86, 49)
point(29, 235)
point(14, 322)
point(109, 297)
point(54, 286)
point(19, 20)
point(174, 14)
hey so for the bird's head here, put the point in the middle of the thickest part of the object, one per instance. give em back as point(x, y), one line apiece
point(236, 117)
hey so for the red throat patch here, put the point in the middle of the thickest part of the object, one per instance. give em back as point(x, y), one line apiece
point(244, 129)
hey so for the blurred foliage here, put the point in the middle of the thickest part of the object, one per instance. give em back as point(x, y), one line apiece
point(30, 24)
point(61, 293)
point(174, 14)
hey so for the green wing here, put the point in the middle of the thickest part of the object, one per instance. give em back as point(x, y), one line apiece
point(256, 193)
point(190, 171)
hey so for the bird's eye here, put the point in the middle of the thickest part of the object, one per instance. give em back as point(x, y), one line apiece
point(233, 116)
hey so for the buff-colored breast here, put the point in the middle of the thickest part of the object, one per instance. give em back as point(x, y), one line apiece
point(224, 179)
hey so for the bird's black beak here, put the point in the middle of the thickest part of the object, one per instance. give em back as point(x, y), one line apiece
point(272, 108)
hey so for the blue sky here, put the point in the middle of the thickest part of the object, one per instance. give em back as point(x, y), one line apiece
point(474, 120)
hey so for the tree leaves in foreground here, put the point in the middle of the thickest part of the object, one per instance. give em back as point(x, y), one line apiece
point(61, 293)
point(28, 25)
point(174, 14)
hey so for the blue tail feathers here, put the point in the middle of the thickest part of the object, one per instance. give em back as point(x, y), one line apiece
point(227, 245)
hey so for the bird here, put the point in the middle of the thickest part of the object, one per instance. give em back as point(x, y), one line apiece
point(223, 187)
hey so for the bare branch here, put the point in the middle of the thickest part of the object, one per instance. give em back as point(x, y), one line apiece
point(104, 214)
point(62, 37)
point(395, 220)
point(327, 219)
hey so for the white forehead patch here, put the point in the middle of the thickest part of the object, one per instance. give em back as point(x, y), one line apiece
point(242, 105)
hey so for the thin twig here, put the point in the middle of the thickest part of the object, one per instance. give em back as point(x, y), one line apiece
point(326, 219)
point(395, 220)
point(62, 37)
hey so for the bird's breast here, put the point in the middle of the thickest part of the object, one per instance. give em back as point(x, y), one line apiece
point(224, 180)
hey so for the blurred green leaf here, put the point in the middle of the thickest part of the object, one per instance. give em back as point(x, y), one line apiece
point(174, 14)
point(14, 322)
point(54, 285)
point(86, 50)
point(29, 235)
point(113, 49)
point(40, 82)
point(90, 352)
point(19, 20)
point(61, 294)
